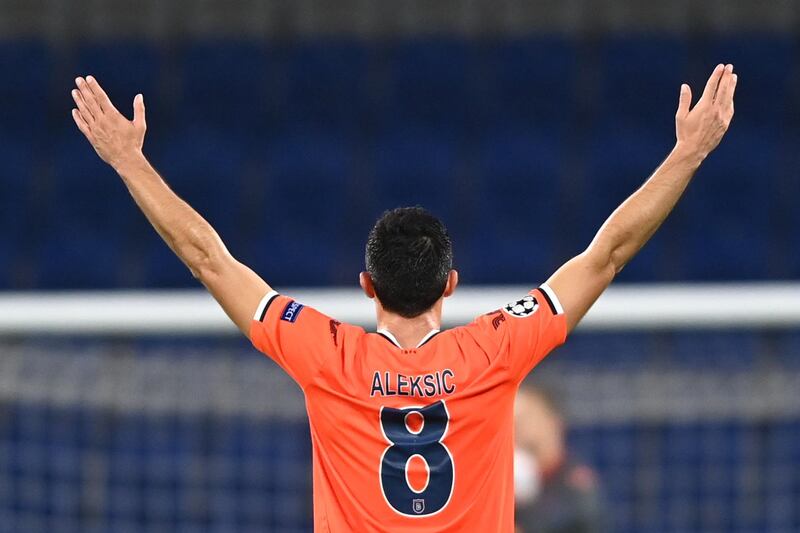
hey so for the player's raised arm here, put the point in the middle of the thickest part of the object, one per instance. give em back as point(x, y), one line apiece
point(699, 130)
point(118, 141)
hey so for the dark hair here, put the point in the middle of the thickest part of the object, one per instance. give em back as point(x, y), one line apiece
point(409, 256)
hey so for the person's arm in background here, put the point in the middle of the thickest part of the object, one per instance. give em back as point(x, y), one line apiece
point(699, 130)
point(118, 141)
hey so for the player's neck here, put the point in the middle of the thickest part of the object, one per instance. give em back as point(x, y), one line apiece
point(409, 332)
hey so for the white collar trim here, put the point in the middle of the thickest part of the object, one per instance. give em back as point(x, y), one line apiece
point(388, 335)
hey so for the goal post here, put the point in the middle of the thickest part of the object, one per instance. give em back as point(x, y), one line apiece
point(622, 307)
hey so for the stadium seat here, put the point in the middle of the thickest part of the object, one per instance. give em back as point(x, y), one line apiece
point(207, 168)
point(85, 191)
point(610, 351)
point(124, 68)
point(617, 162)
point(416, 167)
point(88, 221)
point(431, 83)
point(308, 178)
point(784, 217)
point(75, 257)
point(26, 92)
point(640, 79)
point(17, 220)
point(529, 82)
point(517, 206)
point(7, 248)
point(329, 84)
point(765, 92)
point(715, 350)
point(728, 204)
point(788, 351)
point(232, 85)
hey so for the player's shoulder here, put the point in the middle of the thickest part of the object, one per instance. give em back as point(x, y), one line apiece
point(531, 304)
point(294, 314)
point(342, 331)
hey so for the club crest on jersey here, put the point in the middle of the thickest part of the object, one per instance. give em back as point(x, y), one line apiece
point(418, 505)
point(522, 308)
point(291, 311)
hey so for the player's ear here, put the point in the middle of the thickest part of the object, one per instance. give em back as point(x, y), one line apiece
point(452, 282)
point(365, 280)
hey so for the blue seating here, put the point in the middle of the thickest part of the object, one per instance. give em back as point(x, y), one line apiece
point(416, 167)
point(16, 191)
point(617, 162)
point(309, 172)
point(124, 68)
point(308, 179)
point(207, 168)
point(465, 127)
point(79, 258)
point(729, 205)
point(789, 349)
point(7, 253)
point(717, 350)
point(529, 82)
point(640, 79)
point(431, 83)
point(229, 84)
point(517, 206)
point(88, 221)
point(764, 94)
point(609, 351)
point(26, 92)
point(86, 193)
point(785, 219)
point(329, 84)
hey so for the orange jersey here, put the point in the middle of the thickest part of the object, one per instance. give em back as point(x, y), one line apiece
point(411, 439)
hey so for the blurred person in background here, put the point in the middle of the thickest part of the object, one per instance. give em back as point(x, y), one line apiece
point(554, 492)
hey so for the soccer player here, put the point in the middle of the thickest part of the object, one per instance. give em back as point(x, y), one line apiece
point(412, 428)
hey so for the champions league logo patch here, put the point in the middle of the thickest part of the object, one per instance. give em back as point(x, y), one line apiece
point(522, 308)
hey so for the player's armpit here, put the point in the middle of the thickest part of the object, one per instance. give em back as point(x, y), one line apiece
point(580, 282)
point(237, 289)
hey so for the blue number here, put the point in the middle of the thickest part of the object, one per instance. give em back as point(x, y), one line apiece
point(425, 443)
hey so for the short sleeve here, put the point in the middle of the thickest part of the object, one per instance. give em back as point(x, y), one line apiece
point(526, 330)
point(297, 337)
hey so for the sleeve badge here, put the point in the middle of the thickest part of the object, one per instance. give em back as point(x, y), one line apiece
point(522, 308)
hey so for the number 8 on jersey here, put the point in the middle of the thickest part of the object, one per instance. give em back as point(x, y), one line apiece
point(416, 433)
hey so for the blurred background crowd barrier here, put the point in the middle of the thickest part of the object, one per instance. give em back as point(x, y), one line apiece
point(291, 125)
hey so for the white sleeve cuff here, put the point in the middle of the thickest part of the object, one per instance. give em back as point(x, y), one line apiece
point(552, 299)
point(261, 310)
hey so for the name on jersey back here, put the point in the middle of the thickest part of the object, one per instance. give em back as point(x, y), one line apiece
point(423, 386)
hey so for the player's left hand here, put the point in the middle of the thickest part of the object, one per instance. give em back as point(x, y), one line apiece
point(115, 138)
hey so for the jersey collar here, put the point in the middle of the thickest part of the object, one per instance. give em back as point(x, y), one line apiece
point(388, 334)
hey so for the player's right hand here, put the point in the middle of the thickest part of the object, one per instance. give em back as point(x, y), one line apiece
point(701, 129)
point(115, 138)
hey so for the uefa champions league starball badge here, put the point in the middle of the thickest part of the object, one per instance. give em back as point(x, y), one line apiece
point(522, 308)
